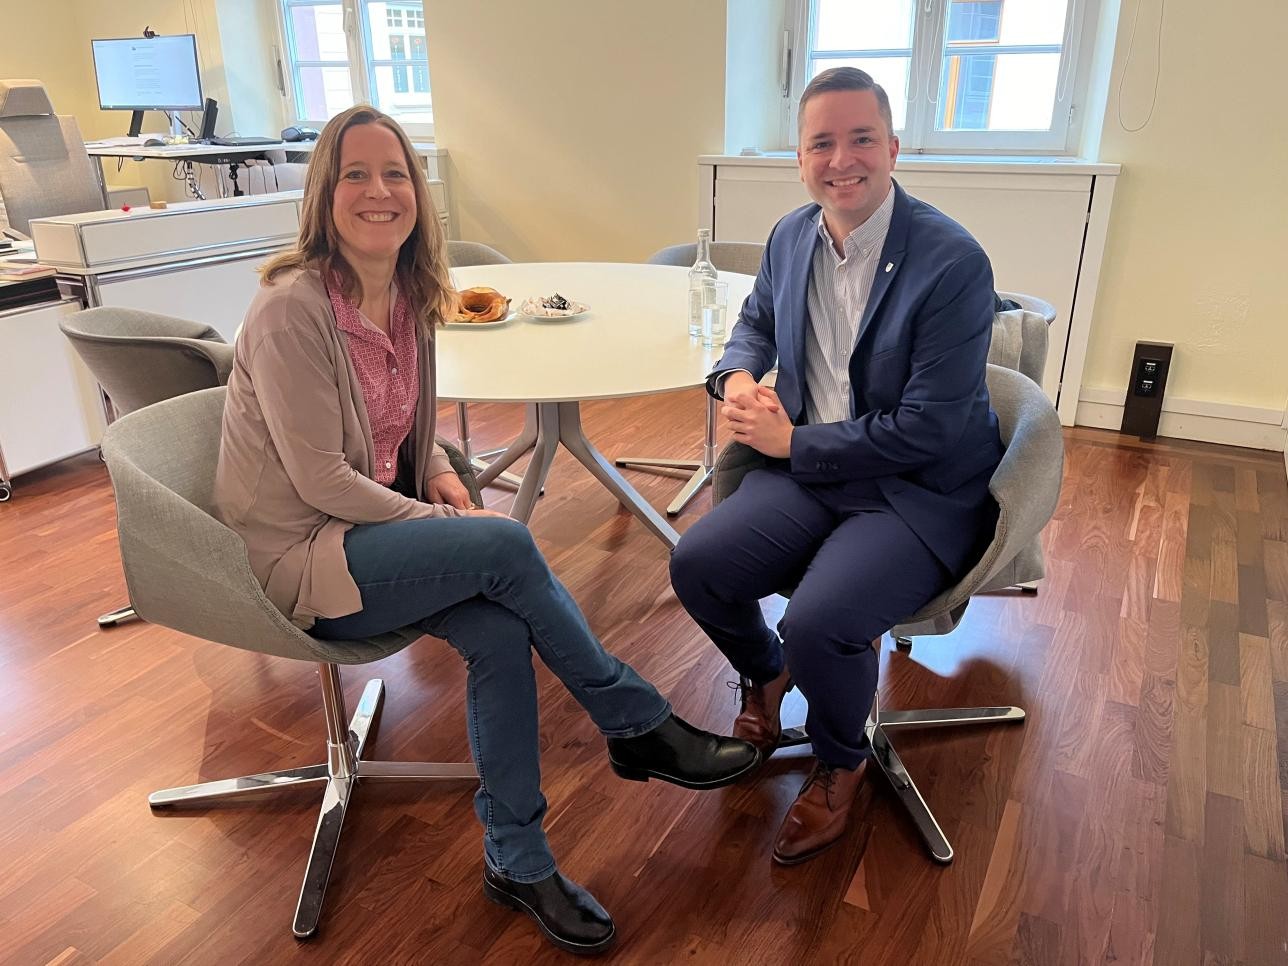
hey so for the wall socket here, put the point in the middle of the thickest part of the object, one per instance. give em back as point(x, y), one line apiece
point(1146, 382)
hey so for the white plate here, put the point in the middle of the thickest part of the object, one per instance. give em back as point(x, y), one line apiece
point(530, 307)
point(482, 325)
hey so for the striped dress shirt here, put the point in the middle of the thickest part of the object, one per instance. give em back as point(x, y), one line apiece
point(839, 287)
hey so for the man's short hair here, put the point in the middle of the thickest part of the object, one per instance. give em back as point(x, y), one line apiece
point(846, 79)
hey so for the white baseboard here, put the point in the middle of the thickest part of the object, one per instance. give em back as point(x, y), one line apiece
point(1208, 422)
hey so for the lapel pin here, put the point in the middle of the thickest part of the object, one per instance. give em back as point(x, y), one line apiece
point(889, 265)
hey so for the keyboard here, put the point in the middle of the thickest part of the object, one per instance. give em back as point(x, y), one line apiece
point(241, 142)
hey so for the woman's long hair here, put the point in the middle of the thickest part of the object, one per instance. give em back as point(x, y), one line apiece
point(421, 271)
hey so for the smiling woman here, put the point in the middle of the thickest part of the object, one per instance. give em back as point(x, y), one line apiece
point(356, 525)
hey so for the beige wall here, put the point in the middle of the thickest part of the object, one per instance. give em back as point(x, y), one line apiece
point(1198, 239)
point(31, 47)
point(573, 125)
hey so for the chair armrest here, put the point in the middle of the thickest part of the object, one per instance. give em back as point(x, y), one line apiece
point(218, 354)
point(463, 469)
point(735, 461)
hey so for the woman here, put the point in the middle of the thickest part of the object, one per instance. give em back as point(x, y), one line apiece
point(355, 523)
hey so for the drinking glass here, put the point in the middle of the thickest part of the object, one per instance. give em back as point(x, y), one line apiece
point(714, 308)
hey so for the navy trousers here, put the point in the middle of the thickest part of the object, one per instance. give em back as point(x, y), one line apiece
point(856, 568)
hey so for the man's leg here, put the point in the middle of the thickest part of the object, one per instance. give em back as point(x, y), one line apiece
point(869, 574)
point(872, 572)
point(751, 545)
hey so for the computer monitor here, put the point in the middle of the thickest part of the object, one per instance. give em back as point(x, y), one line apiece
point(147, 74)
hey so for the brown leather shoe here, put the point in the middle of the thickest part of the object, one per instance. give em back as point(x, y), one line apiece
point(819, 816)
point(759, 722)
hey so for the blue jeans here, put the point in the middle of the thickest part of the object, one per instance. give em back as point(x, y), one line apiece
point(482, 584)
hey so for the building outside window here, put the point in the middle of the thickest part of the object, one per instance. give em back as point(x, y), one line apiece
point(344, 52)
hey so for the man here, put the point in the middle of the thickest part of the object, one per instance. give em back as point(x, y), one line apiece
point(878, 309)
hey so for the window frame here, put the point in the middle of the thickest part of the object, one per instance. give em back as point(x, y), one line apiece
point(361, 64)
point(918, 135)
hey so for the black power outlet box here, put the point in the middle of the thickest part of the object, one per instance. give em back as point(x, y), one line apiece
point(1145, 385)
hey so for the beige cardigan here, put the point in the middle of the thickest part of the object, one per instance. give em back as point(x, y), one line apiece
point(295, 460)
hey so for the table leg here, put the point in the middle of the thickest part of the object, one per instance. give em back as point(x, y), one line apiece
point(543, 454)
point(467, 448)
point(526, 439)
point(100, 177)
point(575, 441)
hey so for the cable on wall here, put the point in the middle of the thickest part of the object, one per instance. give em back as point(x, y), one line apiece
point(1158, 66)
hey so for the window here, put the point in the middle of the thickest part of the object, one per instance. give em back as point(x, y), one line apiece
point(999, 76)
point(344, 52)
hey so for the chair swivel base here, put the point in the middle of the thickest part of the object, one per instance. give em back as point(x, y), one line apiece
point(890, 764)
point(118, 616)
point(340, 774)
point(701, 476)
point(701, 470)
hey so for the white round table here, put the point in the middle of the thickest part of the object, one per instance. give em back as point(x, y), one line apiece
point(634, 341)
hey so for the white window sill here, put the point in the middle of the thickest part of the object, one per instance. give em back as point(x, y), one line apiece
point(982, 163)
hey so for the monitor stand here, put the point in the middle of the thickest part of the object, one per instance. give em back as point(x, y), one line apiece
point(136, 124)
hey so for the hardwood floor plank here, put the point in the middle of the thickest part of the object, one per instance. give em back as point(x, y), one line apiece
point(1179, 938)
point(1223, 890)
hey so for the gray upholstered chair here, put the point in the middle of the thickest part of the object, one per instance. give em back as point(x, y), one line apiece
point(44, 170)
point(1021, 336)
point(1026, 486)
point(139, 358)
point(743, 258)
point(187, 571)
point(459, 254)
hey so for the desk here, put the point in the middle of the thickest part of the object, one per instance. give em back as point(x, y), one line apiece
point(633, 342)
point(232, 156)
point(429, 154)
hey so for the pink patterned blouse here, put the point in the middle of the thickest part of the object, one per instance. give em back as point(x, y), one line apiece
point(387, 372)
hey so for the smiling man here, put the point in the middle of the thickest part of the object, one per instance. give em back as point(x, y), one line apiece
point(879, 439)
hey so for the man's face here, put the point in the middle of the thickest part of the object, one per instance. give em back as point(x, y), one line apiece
point(846, 155)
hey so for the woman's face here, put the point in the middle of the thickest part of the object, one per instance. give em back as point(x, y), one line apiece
point(375, 203)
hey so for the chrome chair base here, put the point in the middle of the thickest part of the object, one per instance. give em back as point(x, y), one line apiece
point(701, 470)
point(118, 616)
point(891, 765)
point(340, 773)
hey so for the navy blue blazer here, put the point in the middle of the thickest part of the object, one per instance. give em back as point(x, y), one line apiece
point(923, 430)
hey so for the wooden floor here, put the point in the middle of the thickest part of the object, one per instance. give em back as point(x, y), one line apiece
point(1136, 817)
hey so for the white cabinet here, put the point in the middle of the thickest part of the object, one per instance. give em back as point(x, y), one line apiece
point(1042, 223)
point(49, 403)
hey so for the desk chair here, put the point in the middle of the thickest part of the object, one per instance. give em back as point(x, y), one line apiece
point(139, 358)
point(1026, 486)
point(460, 253)
point(743, 258)
point(44, 170)
point(188, 572)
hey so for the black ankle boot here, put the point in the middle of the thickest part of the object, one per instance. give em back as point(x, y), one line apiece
point(567, 914)
point(681, 754)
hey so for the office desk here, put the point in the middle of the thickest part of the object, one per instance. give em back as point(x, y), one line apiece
point(233, 156)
